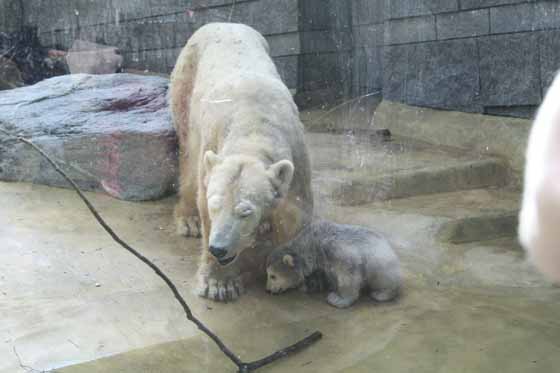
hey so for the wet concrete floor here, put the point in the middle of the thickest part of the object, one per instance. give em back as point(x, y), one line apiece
point(70, 297)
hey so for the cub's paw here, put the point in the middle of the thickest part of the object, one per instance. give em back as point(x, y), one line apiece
point(337, 301)
point(188, 226)
point(220, 290)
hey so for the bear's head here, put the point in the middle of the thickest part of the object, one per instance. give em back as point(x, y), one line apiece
point(283, 272)
point(241, 192)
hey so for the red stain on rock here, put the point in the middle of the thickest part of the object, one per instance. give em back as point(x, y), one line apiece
point(138, 100)
point(111, 164)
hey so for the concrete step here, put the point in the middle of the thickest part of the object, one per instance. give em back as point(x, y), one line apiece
point(499, 262)
point(359, 168)
point(454, 217)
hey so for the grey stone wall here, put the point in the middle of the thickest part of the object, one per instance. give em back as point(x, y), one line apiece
point(367, 47)
point(11, 15)
point(151, 33)
point(326, 51)
point(488, 56)
point(311, 40)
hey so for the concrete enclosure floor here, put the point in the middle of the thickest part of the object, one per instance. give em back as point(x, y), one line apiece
point(72, 300)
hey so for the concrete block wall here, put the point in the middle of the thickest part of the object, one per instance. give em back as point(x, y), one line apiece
point(325, 59)
point(150, 34)
point(368, 18)
point(11, 15)
point(311, 40)
point(487, 56)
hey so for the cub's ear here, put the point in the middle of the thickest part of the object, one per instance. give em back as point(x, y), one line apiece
point(211, 159)
point(288, 260)
point(281, 174)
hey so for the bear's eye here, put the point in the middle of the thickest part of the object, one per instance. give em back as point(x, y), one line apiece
point(272, 277)
point(245, 209)
point(245, 213)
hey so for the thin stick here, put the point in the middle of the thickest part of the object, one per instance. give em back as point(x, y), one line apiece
point(328, 112)
point(308, 341)
point(243, 367)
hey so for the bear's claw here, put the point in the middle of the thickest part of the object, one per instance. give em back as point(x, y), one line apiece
point(222, 291)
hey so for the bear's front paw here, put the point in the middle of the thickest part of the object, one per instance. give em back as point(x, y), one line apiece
point(188, 226)
point(223, 290)
point(337, 301)
point(264, 228)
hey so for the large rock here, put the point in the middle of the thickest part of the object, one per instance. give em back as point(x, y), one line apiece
point(113, 132)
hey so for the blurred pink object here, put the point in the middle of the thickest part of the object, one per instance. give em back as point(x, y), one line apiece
point(539, 220)
point(91, 58)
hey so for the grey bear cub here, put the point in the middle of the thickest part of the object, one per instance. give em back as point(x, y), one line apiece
point(349, 258)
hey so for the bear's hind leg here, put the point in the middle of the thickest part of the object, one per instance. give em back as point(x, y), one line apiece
point(385, 284)
point(347, 293)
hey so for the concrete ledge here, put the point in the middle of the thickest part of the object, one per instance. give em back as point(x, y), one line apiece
point(479, 228)
point(482, 134)
point(354, 169)
point(349, 115)
point(352, 189)
point(463, 216)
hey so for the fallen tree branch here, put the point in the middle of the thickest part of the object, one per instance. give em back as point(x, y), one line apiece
point(243, 367)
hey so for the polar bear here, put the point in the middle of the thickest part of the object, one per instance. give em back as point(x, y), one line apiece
point(349, 258)
point(245, 175)
point(540, 209)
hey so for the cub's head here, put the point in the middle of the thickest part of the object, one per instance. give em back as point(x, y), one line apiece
point(283, 272)
point(241, 191)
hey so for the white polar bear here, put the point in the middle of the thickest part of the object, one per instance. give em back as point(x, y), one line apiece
point(245, 172)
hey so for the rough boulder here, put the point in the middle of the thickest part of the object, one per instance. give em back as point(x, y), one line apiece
point(112, 132)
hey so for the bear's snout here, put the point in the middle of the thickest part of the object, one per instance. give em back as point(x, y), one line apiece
point(218, 252)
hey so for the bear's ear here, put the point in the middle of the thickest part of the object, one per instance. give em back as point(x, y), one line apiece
point(281, 174)
point(210, 160)
point(288, 260)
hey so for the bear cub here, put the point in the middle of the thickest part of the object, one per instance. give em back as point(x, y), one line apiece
point(349, 258)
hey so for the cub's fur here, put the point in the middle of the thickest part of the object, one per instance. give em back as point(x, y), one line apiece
point(351, 258)
point(540, 211)
point(244, 166)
